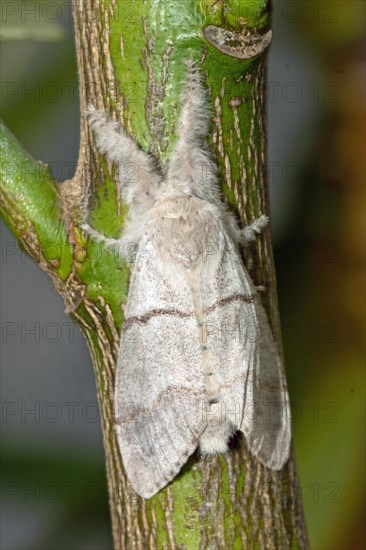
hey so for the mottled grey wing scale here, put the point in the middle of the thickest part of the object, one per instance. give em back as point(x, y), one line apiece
point(253, 394)
point(158, 406)
point(267, 422)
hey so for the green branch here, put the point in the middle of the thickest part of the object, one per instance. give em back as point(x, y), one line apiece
point(30, 206)
point(131, 62)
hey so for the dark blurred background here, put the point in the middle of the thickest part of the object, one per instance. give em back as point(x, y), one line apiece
point(53, 482)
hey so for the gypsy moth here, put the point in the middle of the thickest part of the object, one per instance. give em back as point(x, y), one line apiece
point(197, 360)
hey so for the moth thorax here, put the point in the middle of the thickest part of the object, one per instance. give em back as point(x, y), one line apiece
point(186, 230)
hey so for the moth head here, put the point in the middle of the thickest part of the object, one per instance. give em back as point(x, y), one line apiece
point(180, 185)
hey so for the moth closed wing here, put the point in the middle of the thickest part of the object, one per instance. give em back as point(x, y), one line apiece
point(197, 360)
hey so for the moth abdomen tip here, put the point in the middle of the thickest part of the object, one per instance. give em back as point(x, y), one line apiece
point(213, 401)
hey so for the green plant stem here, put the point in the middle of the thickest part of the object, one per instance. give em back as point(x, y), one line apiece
point(131, 63)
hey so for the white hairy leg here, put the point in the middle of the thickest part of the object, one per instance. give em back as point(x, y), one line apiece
point(191, 167)
point(251, 231)
point(99, 237)
point(138, 176)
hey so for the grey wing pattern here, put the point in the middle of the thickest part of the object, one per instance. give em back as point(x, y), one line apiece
point(159, 384)
point(251, 387)
point(267, 419)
